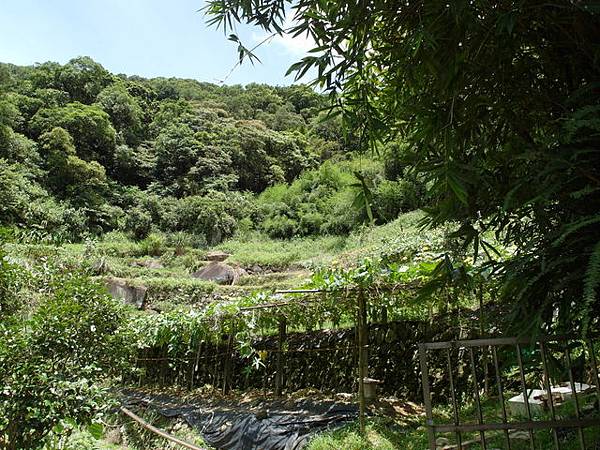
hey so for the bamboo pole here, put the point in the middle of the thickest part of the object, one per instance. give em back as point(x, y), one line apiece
point(158, 431)
point(195, 365)
point(362, 358)
point(279, 379)
point(482, 335)
point(228, 357)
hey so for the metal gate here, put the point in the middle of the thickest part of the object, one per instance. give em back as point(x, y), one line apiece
point(542, 350)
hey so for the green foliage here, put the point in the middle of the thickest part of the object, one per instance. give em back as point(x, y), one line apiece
point(381, 434)
point(140, 154)
point(68, 175)
point(153, 245)
point(124, 111)
point(93, 134)
point(182, 240)
point(335, 199)
point(18, 191)
point(213, 216)
point(9, 281)
point(51, 364)
point(498, 107)
point(139, 222)
point(392, 198)
point(591, 282)
point(82, 78)
point(177, 151)
point(68, 435)
point(278, 254)
point(18, 149)
point(134, 166)
point(24, 203)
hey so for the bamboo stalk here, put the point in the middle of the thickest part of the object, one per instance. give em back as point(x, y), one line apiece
point(159, 432)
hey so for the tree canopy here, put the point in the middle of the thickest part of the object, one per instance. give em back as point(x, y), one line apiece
point(86, 151)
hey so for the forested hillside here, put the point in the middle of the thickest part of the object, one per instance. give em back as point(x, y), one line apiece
point(413, 247)
point(84, 151)
point(112, 185)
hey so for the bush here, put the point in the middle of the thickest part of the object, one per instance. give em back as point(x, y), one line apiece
point(391, 198)
point(153, 245)
point(18, 190)
point(9, 280)
point(280, 227)
point(318, 202)
point(181, 240)
point(51, 365)
point(214, 216)
point(138, 222)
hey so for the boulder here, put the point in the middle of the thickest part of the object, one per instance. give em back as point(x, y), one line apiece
point(100, 266)
point(217, 256)
point(133, 295)
point(219, 272)
point(149, 264)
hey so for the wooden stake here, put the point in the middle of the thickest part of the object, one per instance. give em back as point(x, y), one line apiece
point(159, 432)
point(279, 378)
point(227, 367)
point(362, 358)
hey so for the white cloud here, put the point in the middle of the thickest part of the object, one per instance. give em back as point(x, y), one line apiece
point(296, 46)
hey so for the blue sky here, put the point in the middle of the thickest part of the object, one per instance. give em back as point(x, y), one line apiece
point(139, 37)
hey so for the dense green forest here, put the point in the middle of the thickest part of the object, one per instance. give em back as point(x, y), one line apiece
point(85, 152)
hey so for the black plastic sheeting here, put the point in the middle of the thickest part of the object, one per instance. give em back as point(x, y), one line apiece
point(268, 426)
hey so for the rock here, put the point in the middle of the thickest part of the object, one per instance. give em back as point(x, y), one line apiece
point(255, 269)
point(132, 295)
point(220, 273)
point(217, 256)
point(239, 272)
point(100, 266)
point(114, 436)
point(149, 264)
point(216, 271)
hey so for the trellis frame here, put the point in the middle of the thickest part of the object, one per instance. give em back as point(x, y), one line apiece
point(579, 423)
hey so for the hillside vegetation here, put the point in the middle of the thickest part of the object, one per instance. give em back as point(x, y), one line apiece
point(84, 152)
point(479, 123)
point(107, 178)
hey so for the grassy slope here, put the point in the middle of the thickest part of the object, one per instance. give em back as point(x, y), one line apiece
point(283, 264)
point(274, 264)
point(403, 235)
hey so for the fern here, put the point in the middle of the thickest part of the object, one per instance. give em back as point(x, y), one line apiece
point(591, 282)
point(581, 121)
point(576, 226)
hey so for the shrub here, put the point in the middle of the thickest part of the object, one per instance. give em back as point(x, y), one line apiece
point(138, 222)
point(319, 201)
point(8, 281)
point(181, 240)
point(153, 245)
point(391, 198)
point(51, 365)
point(18, 190)
point(214, 216)
point(280, 227)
